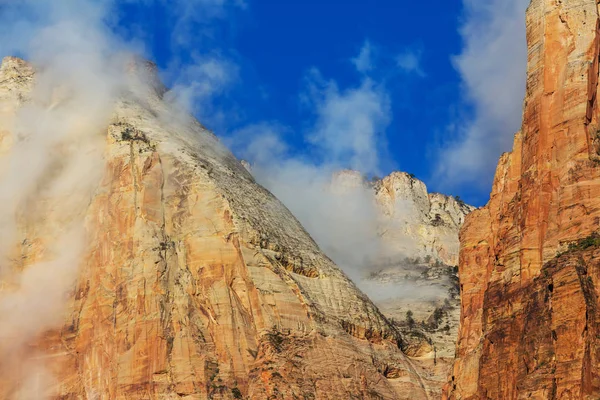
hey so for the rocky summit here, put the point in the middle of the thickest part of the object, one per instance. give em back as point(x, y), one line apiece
point(411, 221)
point(193, 281)
point(414, 281)
point(529, 260)
point(419, 224)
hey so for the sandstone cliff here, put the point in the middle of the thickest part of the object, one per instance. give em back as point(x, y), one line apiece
point(194, 282)
point(529, 260)
point(412, 222)
point(418, 223)
point(415, 272)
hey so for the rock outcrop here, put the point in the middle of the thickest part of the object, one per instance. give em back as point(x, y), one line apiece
point(412, 222)
point(529, 259)
point(418, 223)
point(416, 271)
point(194, 281)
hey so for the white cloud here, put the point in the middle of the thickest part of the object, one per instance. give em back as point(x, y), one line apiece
point(56, 160)
point(343, 223)
point(196, 83)
point(350, 125)
point(410, 62)
point(347, 132)
point(55, 163)
point(364, 60)
point(492, 66)
point(192, 18)
point(200, 71)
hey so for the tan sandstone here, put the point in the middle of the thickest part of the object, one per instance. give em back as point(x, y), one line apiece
point(195, 282)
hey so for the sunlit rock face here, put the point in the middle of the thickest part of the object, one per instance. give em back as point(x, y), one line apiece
point(412, 222)
point(192, 280)
point(529, 260)
point(418, 223)
point(414, 271)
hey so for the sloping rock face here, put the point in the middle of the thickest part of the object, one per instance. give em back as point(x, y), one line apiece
point(194, 281)
point(421, 229)
point(416, 270)
point(529, 312)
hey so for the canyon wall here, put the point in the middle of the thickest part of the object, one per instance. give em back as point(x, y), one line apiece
point(412, 222)
point(529, 259)
point(193, 281)
point(415, 272)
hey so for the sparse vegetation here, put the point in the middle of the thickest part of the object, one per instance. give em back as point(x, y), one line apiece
point(437, 221)
point(237, 394)
point(413, 261)
point(410, 319)
point(438, 314)
point(460, 201)
point(276, 339)
point(437, 317)
point(131, 134)
point(593, 240)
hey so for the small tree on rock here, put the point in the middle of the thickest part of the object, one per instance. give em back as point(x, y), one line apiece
point(409, 319)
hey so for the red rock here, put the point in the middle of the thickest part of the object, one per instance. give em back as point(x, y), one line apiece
point(528, 317)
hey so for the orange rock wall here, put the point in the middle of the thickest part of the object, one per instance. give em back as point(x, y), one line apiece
point(518, 339)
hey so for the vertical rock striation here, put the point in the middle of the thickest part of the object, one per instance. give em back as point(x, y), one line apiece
point(529, 259)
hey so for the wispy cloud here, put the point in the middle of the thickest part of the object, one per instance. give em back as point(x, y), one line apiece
point(350, 125)
point(409, 62)
point(492, 66)
point(201, 70)
point(364, 60)
point(196, 84)
point(192, 19)
point(55, 162)
point(347, 131)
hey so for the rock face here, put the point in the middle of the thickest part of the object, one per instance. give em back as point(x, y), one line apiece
point(529, 259)
point(413, 222)
point(194, 282)
point(420, 224)
point(416, 273)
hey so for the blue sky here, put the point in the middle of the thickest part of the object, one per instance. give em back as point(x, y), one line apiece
point(275, 43)
point(434, 90)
